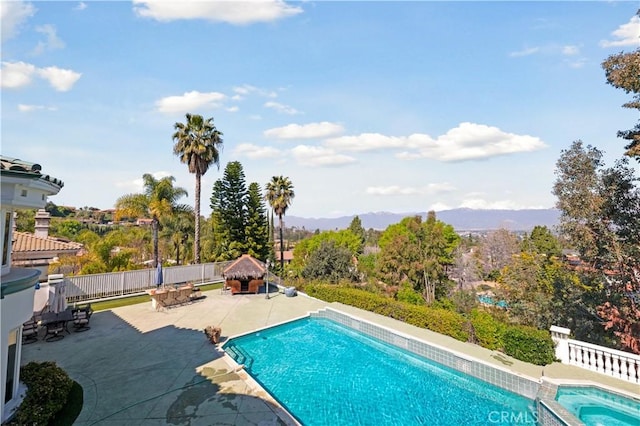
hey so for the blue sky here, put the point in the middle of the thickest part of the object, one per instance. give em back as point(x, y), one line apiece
point(365, 106)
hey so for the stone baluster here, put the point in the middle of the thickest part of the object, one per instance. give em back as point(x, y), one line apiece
point(623, 368)
point(616, 365)
point(599, 362)
point(579, 355)
point(633, 371)
point(607, 364)
point(592, 360)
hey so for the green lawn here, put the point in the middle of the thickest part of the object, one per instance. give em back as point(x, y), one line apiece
point(133, 300)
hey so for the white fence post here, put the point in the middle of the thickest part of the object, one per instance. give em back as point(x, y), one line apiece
point(560, 337)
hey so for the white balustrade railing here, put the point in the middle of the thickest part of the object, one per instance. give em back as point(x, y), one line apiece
point(612, 362)
point(97, 286)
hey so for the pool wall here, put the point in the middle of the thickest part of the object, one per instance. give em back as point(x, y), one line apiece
point(520, 385)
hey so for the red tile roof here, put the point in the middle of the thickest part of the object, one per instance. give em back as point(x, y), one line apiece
point(26, 242)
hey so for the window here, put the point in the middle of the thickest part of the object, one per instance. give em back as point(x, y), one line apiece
point(11, 365)
point(23, 193)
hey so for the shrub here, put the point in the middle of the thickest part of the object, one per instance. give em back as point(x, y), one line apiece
point(529, 344)
point(488, 332)
point(48, 387)
point(439, 320)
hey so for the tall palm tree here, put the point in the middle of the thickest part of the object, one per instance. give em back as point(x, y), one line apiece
point(198, 144)
point(158, 199)
point(279, 194)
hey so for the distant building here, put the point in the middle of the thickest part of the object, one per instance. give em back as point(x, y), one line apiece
point(287, 256)
point(23, 187)
point(39, 250)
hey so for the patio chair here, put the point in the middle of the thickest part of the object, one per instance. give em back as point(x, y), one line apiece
point(81, 318)
point(30, 331)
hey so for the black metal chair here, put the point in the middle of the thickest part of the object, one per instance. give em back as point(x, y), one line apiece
point(81, 318)
point(30, 331)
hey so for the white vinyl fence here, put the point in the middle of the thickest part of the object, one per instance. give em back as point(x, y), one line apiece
point(100, 286)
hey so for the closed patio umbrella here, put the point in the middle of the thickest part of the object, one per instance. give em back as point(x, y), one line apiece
point(159, 279)
point(58, 300)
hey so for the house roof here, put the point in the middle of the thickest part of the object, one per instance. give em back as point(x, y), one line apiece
point(16, 167)
point(27, 242)
point(288, 255)
point(244, 267)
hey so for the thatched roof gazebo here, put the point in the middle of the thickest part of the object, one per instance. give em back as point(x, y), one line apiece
point(245, 275)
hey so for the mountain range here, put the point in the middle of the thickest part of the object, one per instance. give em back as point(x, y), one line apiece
point(462, 219)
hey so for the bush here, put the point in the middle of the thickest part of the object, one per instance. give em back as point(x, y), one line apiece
point(488, 332)
point(439, 320)
point(529, 344)
point(48, 387)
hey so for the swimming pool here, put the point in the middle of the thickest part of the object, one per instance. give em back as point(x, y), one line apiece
point(597, 407)
point(328, 374)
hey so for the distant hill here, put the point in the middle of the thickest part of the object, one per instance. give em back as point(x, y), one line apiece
point(460, 219)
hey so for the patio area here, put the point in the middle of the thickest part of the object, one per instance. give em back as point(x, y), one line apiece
point(139, 366)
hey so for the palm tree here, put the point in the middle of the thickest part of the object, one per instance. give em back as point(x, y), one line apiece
point(279, 193)
point(159, 199)
point(198, 144)
point(177, 228)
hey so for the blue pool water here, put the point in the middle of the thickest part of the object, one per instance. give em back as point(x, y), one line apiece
point(328, 374)
point(597, 407)
point(488, 300)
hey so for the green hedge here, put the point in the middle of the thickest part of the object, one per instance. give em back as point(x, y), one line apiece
point(529, 344)
point(487, 330)
point(48, 387)
point(439, 320)
point(524, 343)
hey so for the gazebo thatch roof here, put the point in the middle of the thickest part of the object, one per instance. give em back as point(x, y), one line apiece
point(243, 268)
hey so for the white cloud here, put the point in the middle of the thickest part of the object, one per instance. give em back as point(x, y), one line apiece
point(52, 41)
point(30, 108)
point(12, 16)
point(524, 52)
point(468, 141)
point(432, 188)
point(438, 207)
point(317, 156)
point(627, 34)
point(281, 108)
point(372, 142)
point(189, 101)
point(60, 79)
point(234, 108)
point(16, 74)
point(481, 204)
point(256, 152)
point(570, 50)
point(232, 12)
point(80, 6)
point(305, 131)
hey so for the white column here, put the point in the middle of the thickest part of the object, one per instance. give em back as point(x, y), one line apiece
point(560, 337)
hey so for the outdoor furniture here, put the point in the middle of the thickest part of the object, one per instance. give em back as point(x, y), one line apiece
point(245, 275)
point(81, 318)
point(30, 331)
point(174, 296)
point(56, 323)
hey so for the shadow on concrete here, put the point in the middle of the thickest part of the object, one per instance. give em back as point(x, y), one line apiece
point(168, 375)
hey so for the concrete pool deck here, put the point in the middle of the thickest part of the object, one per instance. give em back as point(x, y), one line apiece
point(138, 366)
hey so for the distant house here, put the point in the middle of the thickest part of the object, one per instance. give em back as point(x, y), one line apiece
point(23, 186)
point(39, 250)
point(287, 256)
point(144, 222)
